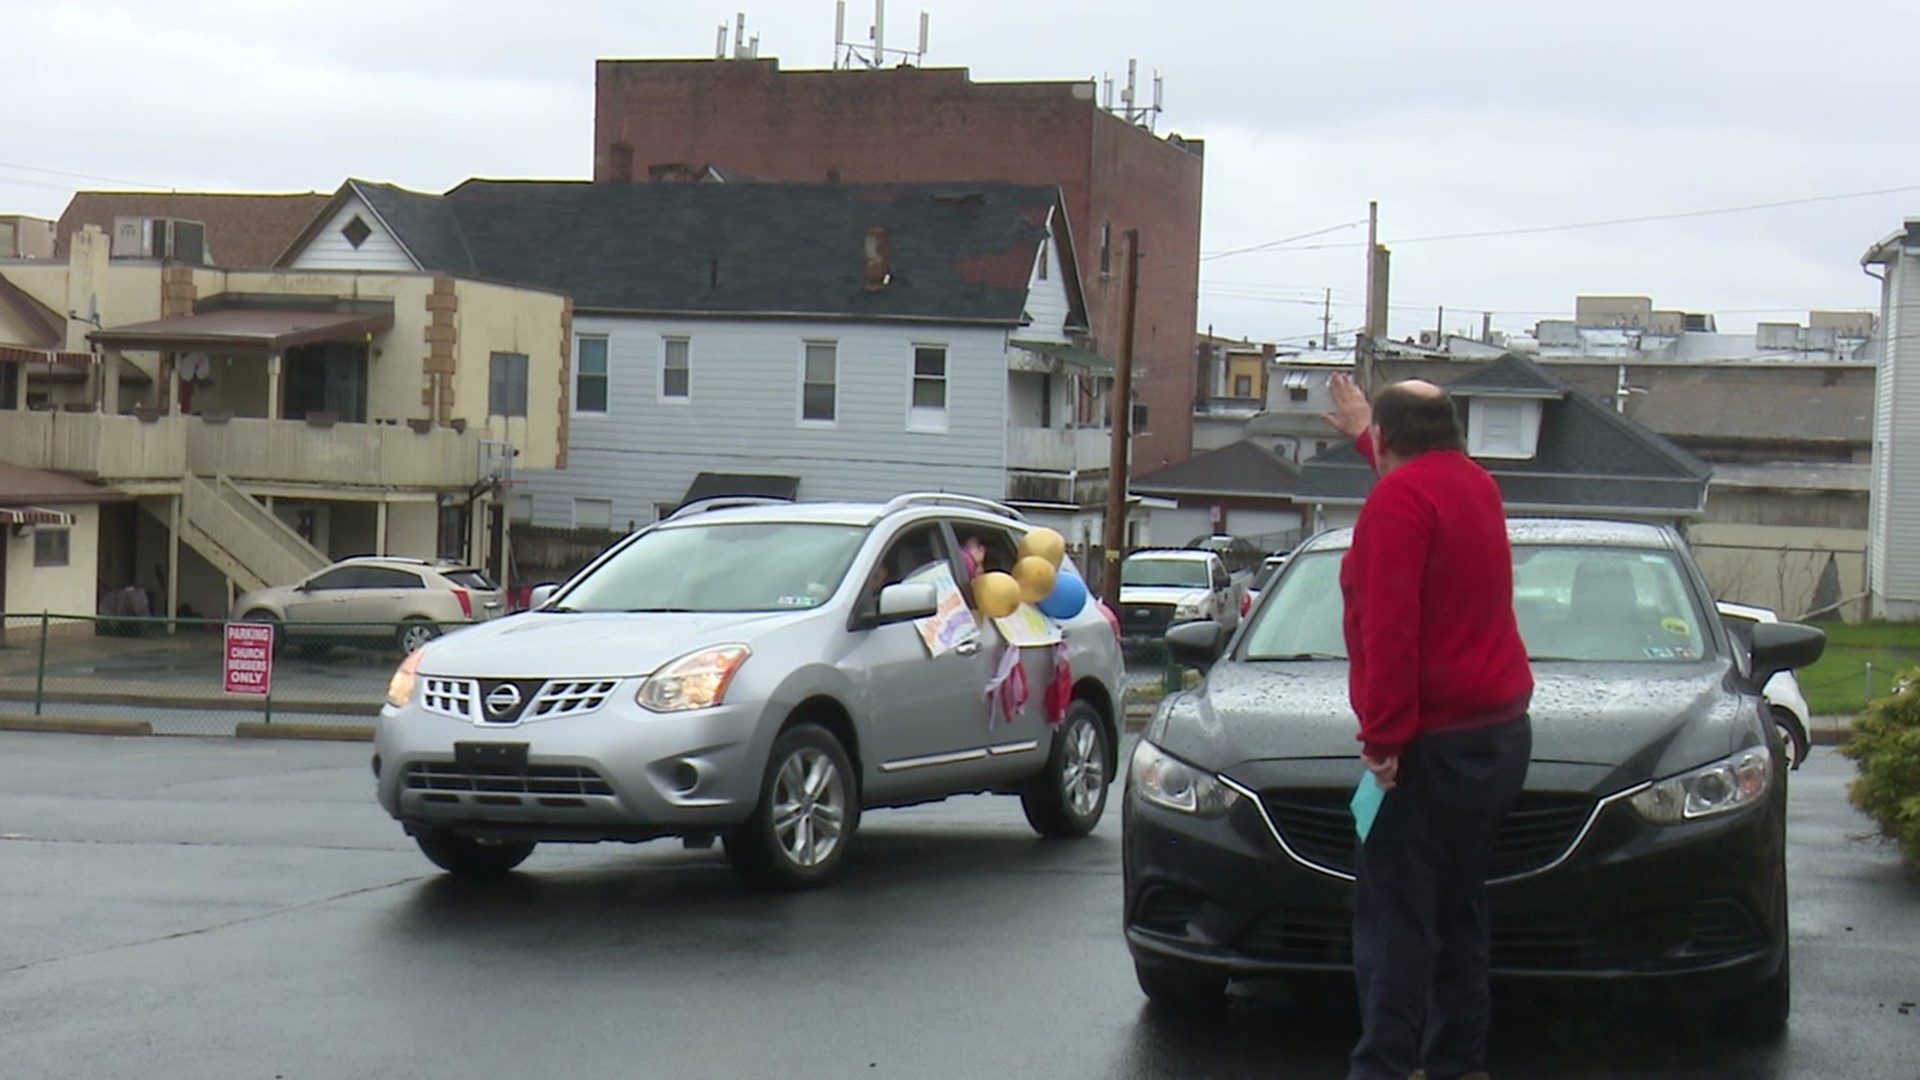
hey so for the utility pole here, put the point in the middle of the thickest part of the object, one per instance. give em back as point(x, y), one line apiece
point(1326, 320)
point(1486, 327)
point(1376, 315)
point(1116, 537)
point(1440, 327)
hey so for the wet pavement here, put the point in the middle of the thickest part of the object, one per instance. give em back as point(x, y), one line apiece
point(212, 908)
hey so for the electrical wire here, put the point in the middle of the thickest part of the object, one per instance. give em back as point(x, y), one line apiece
point(1272, 244)
point(81, 176)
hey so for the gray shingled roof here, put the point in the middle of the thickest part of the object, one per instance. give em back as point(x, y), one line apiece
point(1242, 468)
point(1588, 457)
point(957, 252)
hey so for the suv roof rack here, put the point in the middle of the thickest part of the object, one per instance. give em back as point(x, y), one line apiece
point(946, 498)
point(723, 502)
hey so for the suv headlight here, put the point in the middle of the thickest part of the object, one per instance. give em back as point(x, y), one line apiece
point(1728, 784)
point(405, 678)
point(697, 680)
point(1166, 781)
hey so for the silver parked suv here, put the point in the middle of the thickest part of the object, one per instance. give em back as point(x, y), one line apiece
point(754, 671)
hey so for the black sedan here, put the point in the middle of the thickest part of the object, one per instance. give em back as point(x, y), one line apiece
point(1649, 842)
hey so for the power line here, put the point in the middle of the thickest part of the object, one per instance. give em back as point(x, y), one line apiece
point(81, 176)
point(1271, 244)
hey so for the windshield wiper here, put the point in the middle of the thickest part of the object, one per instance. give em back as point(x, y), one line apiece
point(659, 611)
point(1300, 656)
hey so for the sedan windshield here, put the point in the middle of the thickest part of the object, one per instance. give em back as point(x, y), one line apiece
point(1589, 604)
point(744, 566)
point(1178, 573)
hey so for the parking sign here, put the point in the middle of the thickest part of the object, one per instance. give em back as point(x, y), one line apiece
point(249, 658)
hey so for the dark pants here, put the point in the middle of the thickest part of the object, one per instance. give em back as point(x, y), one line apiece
point(1420, 903)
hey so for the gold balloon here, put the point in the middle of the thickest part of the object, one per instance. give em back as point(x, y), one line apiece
point(1045, 544)
point(996, 594)
point(1035, 576)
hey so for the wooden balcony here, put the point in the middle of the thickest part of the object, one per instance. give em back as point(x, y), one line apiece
point(96, 446)
point(1065, 450)
point(341, 455)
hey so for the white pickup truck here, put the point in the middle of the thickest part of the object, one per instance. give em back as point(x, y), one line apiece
point(1159, 588)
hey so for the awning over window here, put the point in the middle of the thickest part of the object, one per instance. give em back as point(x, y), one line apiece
point(261, 330)
point(34, 515)
point(711, 485)
point(1069, 354)
point(1295, 380)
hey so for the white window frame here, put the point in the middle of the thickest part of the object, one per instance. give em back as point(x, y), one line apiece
point(575, 511)
point(606, 376)
point(926, 417)
point(667, 342)
point(800, 405)
point(1526, 424)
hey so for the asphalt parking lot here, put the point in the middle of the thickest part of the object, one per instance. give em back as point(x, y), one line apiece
point(209, 908)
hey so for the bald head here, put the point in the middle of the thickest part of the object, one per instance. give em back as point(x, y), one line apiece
point(1415, 416)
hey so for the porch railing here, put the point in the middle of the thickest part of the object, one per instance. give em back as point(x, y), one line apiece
point(341, 454)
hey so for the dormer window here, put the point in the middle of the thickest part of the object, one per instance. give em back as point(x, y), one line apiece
point(1506, 428)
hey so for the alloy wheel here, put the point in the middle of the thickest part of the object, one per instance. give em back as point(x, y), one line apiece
point(809, 807)
point(1082, 769)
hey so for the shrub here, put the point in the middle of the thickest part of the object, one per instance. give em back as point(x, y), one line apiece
point(1886, 747)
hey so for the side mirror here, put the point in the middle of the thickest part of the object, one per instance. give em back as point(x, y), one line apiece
point(541, 594)
point(905, 602)
point(1783, 646)
point(1197, 644)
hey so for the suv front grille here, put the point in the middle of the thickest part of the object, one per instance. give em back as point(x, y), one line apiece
point(468, 699)
point(533, 780)
point(1541, 827)
point(1143, 620)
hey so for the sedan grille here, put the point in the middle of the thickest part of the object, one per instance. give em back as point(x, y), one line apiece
point(568, 698)
point(532, 780)
point(508, 701)
point(1539, 830)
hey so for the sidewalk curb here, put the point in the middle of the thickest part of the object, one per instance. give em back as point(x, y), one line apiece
point(75, 725)
point(317, 732)
point(206, 703)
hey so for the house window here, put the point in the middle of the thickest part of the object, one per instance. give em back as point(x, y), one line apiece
point(1243, 386)
point(819, 382)
point(1296, 384)
point(507, 384)
point(356, 232)
point(590, 375)
point(593, 514)
point(676, 376)
point(929, 408)
point(1106, 249)
point(1502, 429)
point(1139, 417)
point(50, 546)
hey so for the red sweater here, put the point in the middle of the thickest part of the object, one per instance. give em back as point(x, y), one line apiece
point(1428, 584)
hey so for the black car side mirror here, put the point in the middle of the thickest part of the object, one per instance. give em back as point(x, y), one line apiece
point(1784, 646)
point(1197, 644)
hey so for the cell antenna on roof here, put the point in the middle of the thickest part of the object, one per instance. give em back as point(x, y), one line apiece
point(744, 48)
point(848, 54)
point(1131, 109)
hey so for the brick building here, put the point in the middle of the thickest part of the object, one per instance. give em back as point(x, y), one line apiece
point(661, 118)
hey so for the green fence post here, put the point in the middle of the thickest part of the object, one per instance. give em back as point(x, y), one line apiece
point(40, 672)
point(1174, 678)
point(1869, 698)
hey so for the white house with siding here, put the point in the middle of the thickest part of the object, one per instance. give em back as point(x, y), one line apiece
point(814, 341)
point(1893, 508)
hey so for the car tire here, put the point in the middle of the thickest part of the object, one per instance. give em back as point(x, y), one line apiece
point(1184, 989)
point(808, 797)
point(1068, 796)
point(1795, 732)
point(471, 859)
point(414, 634)
point(270, 619)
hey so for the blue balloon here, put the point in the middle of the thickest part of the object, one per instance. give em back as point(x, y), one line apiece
point(1068, 597)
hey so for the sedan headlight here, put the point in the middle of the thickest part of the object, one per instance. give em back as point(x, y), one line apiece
point(1728, 784)
point(697, 680)
point(1166, 781)
point(405, 678)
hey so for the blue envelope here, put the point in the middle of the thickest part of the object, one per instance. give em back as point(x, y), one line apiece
point(1367, 795)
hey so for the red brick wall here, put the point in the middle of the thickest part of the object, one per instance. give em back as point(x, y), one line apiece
point(924, 125)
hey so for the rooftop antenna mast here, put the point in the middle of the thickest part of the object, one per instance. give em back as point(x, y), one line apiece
point(1131, 110)
point(744, 47)
point(848, 54)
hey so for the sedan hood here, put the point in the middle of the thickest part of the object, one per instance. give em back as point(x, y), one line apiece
point(588, 645)
point(1639, 717)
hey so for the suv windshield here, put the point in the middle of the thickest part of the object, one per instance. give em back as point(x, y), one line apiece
point(1591, 604)
point(743, 566)
point(1184, 573)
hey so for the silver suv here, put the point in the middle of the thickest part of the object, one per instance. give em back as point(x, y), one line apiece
point(758, 672)
point(374, 597)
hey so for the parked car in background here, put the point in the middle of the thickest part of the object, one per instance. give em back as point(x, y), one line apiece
point(1648, 849)
point(1261, 578)
point(1163, 587)
point(408, 602)
point(1788, 704)
point(753, 671)
point(1241, 556)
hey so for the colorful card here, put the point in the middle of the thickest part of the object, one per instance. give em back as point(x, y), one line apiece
point(1367, 796)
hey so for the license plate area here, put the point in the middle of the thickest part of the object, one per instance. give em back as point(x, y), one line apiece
point(492, 755)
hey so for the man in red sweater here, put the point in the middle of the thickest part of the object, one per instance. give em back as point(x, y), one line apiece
point(1440, 681)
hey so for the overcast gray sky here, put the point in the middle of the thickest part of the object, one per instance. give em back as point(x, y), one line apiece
point(1459, 116)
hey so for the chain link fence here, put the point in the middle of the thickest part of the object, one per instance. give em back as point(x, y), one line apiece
point(173, 673)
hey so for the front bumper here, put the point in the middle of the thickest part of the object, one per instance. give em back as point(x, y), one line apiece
point(617, 772)
point(1699, 902)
